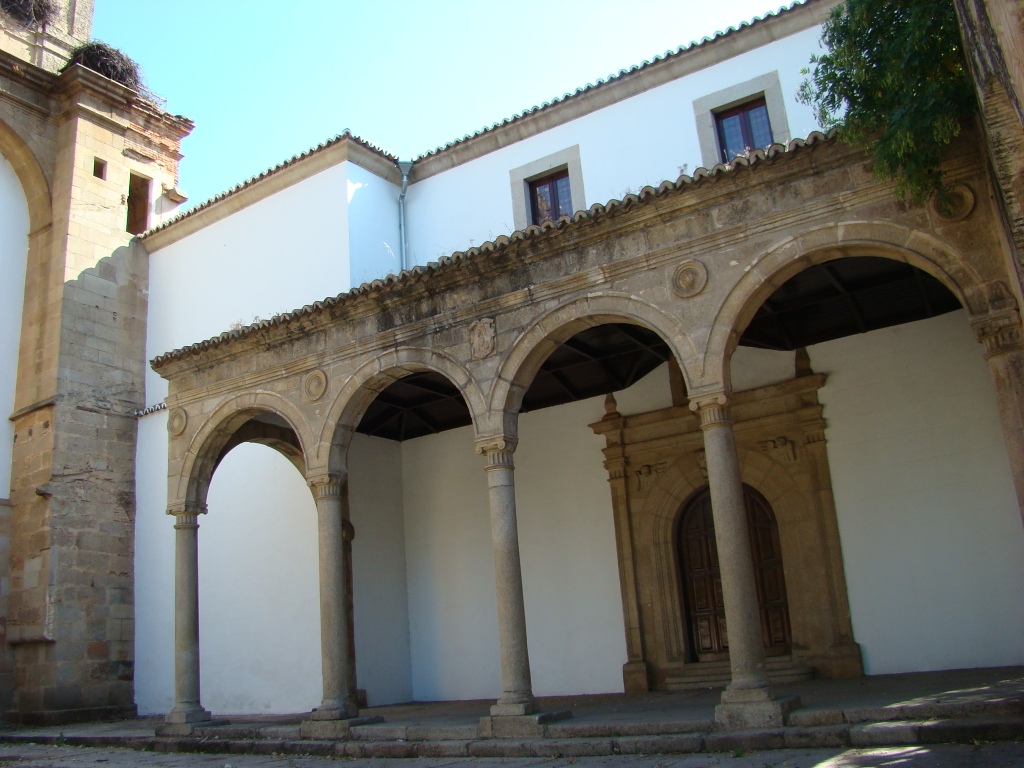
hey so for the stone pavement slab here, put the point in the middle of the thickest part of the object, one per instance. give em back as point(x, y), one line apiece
point(1000, 755)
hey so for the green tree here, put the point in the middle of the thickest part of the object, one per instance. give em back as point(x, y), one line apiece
point(895, 81)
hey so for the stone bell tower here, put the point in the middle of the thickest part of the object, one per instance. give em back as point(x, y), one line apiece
point(98, 163)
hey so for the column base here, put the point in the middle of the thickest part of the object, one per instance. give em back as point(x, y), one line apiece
point(332, 730)
point(634, 677)
point(185, 721)
point(513, 708)
point(519, 726)
point(766, 713)
point(340, 711)
point(190, 713)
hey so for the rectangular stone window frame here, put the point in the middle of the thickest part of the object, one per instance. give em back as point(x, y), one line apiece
point(766, 86)
point(567, 159)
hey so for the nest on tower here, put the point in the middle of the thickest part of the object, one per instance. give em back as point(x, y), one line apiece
point(109, 62)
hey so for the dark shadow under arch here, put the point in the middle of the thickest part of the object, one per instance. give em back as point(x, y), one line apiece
point(839, 298)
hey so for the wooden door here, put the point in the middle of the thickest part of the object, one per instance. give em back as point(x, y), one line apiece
point(702, 582)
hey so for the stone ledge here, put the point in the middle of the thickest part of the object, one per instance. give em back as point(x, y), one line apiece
point(520, 726)
point(66, 716)
point(899, 733)
point(333, 730)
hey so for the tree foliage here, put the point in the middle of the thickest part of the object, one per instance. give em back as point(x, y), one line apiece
point(895, 80)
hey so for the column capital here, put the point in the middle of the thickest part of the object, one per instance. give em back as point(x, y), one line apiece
point(186, 514)
point(999, 331)
point(497, 450)
point(327, 485)
point(712, 409)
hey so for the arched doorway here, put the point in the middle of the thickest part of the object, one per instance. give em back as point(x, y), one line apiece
point(704, 605)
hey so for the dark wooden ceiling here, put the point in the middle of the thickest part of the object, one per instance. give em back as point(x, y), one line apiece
point(822, 303)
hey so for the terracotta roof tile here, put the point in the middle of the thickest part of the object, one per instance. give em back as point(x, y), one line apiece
point(622, 73)
point(594, 213)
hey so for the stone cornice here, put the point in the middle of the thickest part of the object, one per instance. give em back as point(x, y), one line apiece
point(29, 74)
point(783, 401)
point(338, 151)
point(78, 81)
point(533, 245)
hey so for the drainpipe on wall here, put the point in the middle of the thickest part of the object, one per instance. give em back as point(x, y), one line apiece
point(405, 166)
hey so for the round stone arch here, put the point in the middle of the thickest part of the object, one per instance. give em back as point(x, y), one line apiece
point(210, 440)
point(829, 243)
point(543, 336)
point(30, 174)
point(372, 378)
point(814, 614)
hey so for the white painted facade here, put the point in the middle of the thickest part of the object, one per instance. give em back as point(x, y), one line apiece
point(931, 535)
point(14, 228)
point(645, 140)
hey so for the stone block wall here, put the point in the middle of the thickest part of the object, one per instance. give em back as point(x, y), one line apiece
point(70, 619)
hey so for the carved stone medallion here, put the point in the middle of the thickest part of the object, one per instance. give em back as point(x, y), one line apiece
point(314, 384)
point(689, 279)
point(959, 204)
point(481, 338)
point(177, 420)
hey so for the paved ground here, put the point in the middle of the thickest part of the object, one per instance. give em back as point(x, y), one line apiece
point(1000, 755)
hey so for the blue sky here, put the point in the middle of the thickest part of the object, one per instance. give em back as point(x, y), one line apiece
point(266, 80)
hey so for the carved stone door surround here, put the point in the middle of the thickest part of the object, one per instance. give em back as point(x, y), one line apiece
point(655, 462)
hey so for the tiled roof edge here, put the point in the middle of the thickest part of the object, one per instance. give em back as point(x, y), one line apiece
point(622, 73)
point(344, 136)
point(644, 196)
point(547, 105)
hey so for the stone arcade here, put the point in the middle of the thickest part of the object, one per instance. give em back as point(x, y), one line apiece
point(811, 468)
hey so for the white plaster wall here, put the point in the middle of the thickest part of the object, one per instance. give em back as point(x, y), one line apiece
point(642, 140)
point(373, 226)
point(752, 368)
point(258, 597)
point(932, 539)
point(383, 665)
point(567, 545)
point(154, 571)
point(274, 256)
point(14, 227)
point(259, 589)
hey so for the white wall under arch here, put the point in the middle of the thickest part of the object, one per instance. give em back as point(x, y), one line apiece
point(14, 229)
point(932, 539)
point(933, 545)
point(258, 595)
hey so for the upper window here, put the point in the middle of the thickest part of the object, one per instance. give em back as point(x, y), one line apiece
point(743, 128)
point(547, 188)
point(550, 197)
point(748, 115)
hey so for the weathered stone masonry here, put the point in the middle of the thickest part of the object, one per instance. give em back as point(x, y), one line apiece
point(70, 621)
point(691, 261)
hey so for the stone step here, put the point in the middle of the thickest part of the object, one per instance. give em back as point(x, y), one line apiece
point(716, 674)
point(842, 735)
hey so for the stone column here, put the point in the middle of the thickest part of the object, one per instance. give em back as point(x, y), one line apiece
point(747, 702)
point(338, 702)
point(517, 689)
point(1003, 338)
point(187, 709)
